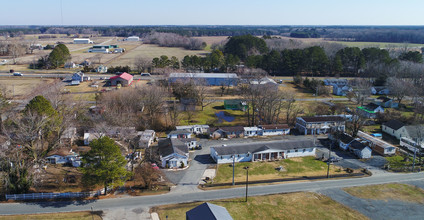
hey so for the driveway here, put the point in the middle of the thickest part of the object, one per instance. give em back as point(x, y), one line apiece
point(188, 179)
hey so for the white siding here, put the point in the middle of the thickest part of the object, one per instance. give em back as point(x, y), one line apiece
point(300, 152)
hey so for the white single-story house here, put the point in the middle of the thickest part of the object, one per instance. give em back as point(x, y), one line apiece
point(101, 69)
point(393, 128)
point(344, 140)
point(274, 129)
point(146, 138)
point(195, 129)
point(64, 156)
point(252, 131)
point(263, 151)
point(173, 153)
point(226, 132)
point(360, 149)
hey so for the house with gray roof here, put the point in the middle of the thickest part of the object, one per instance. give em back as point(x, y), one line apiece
point(173, 153)
point(263, 151)
point(208, 211)
point(392, 128)
point(360, 149)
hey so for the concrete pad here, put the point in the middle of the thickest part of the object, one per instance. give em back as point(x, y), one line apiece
point(141, 213)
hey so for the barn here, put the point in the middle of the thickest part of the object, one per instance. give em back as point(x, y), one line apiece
point(124, 79)
point(210, 79)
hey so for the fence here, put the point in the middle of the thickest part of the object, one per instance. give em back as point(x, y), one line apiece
point(67, 195)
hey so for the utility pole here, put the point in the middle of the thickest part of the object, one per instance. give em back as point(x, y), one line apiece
point(415, 154)
point(328, 161)
point(234, 160)
point(247, 179)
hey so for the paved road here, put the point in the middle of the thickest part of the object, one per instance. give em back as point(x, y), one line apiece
point(179, 197)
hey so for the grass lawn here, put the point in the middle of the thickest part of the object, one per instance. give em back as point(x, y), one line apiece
point(295, 167)
point(281, 206)
point(398, 162)
point(59, 216)
point(20, 86)
point(392, 191)
point(207, 116)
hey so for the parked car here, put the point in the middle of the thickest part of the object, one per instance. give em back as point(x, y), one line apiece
point(145, 74)
point(333, 159)
point(17, 74)
point(198, 147)
point(154, 166)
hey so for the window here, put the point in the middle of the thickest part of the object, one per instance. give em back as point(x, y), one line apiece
point(304, 150)
point(295, 150)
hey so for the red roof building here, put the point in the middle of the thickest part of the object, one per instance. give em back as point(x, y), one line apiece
point(124, 79)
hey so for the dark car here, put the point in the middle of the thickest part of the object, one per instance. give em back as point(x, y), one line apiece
point(198, 147)
point(333, 159)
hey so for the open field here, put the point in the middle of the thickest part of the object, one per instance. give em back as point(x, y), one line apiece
point(19, 87)
point(294, 167)
point(280, 206)
point(207, 116)
point(392, 191)
point(56, 216)
point(150, 51)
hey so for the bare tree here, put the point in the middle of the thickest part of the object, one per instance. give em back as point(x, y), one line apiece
point(400, 87)
point(153, 99)
point(356, 123)
point(141, 64)
point(361, 90)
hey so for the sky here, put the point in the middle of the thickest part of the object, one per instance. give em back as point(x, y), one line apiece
point(212, 12)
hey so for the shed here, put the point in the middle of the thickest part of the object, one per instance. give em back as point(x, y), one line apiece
point(208, 211)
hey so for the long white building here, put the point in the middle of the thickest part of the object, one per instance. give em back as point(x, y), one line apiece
point(82, 41)
point(263, 151)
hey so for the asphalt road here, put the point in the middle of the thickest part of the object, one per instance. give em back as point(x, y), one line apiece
point(180, 197)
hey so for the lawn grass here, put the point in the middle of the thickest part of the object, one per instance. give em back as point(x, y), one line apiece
point(391, 191)
point(295, 167)
point(56, 216)
point(20, 87)
point(207, 116)
point(304, 205)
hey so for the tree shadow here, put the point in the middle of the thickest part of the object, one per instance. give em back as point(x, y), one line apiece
point(62, 203)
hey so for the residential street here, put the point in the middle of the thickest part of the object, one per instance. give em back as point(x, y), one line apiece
point(144, 202)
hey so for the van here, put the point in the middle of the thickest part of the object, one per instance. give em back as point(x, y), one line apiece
point(17, 74)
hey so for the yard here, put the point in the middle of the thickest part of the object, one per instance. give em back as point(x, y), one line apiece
point(57, 216)
point(207, 116)
point(281, 206)
point(294, 167)
point(150, 51)
point(392, 191)
point(20, 87)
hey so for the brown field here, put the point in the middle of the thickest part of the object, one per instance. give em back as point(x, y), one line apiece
point(304, 205)
point(392, 191)
point(150, 51)
point(19, 87)
point(57, 216)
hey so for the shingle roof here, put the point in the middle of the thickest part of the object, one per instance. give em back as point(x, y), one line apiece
point(384, 98)
point(345, 138)
point(208, 211)
point(394, 124)
point(323, 118)
point(371, 106)
point(257, 147)
point(170, 146)
point(229, 129)
point(357, 145)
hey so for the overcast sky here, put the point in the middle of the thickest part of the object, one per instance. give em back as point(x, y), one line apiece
point(212, 12)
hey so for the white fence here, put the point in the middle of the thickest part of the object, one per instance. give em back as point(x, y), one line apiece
point(66, 195)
